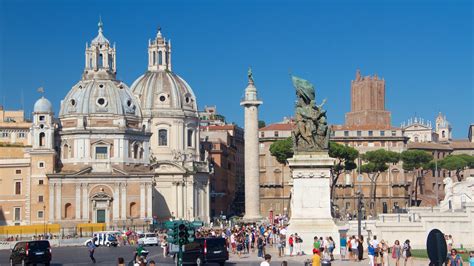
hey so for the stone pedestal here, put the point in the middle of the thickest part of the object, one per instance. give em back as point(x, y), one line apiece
point(310, 199)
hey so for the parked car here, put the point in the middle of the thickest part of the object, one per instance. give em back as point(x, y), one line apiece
point(108, 239)
point(148, 239)
point(31, 252)
point(206, 250)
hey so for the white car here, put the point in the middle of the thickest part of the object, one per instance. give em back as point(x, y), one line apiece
point(148, 239)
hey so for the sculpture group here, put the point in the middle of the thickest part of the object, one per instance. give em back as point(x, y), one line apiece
point(311, 132)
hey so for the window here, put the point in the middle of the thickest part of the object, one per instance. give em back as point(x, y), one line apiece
point(190, 137)
point(17, 213)
point(40, 214)
point(443, 134)
point(5, 134)
point(18, 171)
point(21, 135)
point(41, 118)
point(40, 198)
point(275, 133)
point(262, 134)
point(41, 139)
point(162, 137)
point(18, 188)
point(346, 133)
point(394, 133)
point(359, 133)
point(371, 133)
point(41, 164)
point(382, 133)
point(41, 182)
point(160, 58)
point(101, 152)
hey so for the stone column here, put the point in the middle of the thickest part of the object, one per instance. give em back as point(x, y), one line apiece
point(58, 201)
point(207, 195)
point(252, 175)
point(142, 201)
point(51, 202)
point(123, 213)
point(85, 202)
point(149, 201)
point(116, 202)
point(78, 202)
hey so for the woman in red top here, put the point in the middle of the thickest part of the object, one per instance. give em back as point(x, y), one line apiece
point(290, 243)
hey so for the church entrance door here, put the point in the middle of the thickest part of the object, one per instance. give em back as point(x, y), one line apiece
point(100, 216)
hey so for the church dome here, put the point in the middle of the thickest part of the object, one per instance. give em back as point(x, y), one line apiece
point(43, 105)
point(162, 89)
point(100, 97)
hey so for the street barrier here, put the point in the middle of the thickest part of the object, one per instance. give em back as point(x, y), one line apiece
point(37, 229)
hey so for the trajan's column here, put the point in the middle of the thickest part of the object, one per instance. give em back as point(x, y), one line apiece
point(252, 179)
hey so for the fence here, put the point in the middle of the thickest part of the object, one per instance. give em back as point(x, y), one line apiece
point(37, 229)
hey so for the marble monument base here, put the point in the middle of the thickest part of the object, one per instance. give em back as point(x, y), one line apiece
point(310, 200)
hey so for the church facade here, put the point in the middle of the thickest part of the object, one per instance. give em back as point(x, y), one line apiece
point(123, 155)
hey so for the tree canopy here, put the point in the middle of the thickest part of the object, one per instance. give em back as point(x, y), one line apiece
point(378, 160)
point(261, 123)
point(416, 159)
point(457, 163)
point(345, 156)
point(282, 149)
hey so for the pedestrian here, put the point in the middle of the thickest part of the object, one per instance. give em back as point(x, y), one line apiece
point(471, 258)
point(91, 246)
point(260, 243)
point(267, 260)
point(355, 248)
point(290, 244)
point(332, 246)
point(454, 259)
point(384, 252)
point(396, 252)
point(371, 254)
point(281, 245)
point(407, 253)
point(316, 259)
point(151, 263)
point(360, 248)
point(343, 249)
point(164, 246)
point(121, 262)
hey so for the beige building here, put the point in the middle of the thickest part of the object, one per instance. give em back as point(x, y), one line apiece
point(24, 163)
point(275, 178)
point(419, 130)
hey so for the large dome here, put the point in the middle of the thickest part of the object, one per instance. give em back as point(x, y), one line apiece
point(100, 97)
point(162, 90)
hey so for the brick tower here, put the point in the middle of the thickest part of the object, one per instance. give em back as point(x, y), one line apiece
point(368, 103)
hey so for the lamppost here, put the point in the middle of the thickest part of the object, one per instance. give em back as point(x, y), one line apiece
point(44, 220)
point(360, 208)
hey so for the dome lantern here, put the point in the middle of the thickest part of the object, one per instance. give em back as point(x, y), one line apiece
point(100, 58)
point(159, 53)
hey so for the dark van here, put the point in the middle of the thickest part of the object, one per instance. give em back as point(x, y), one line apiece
point(31, 252)
point(206, 250)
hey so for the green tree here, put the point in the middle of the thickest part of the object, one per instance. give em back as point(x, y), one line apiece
point(261, 123)
point(376, 162)
point(418, 163)
point(282, 150)
point(345, 157)
point(457, 163)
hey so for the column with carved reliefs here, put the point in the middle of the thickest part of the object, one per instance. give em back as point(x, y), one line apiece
point(116, 202)
point(85, 202)
point(78, 202)
point(51, 202)
point(142, 200)
point(123, 205)
point(149, 201)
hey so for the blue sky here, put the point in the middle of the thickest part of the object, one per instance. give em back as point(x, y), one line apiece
point(423, 49)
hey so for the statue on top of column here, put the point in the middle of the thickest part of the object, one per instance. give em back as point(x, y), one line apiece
point(311, 131)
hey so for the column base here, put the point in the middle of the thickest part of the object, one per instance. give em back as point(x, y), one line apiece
point(307, 229)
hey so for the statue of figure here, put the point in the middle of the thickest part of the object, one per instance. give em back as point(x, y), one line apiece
point(250, 75)
point(311, 132)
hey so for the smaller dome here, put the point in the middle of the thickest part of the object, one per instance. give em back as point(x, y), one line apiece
point(43, 105)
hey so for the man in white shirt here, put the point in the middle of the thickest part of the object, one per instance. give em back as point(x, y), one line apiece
point(267, 260)
point(374, 242)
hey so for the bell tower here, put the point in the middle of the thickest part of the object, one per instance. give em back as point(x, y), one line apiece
point(159, 53)
point(42, 129)
point(100, 57)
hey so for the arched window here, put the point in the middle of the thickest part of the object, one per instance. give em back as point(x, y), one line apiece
point(443, 134)
point(101, 62)
point(190, 137)
point(416, 139)
point(136, 147)
point(160, 58)
point(41, 139)
point(90, 63)
point(133, 209)
point(162, 137)
point(154, 58)
point(141, 153)
point(68, 211)
point(65, 151)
